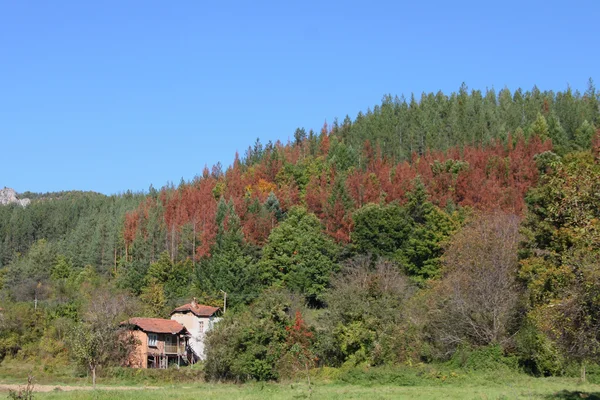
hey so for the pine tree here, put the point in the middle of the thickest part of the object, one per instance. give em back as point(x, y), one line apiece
point(299, 256)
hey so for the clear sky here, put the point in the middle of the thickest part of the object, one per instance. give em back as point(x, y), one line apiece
point(116, 95)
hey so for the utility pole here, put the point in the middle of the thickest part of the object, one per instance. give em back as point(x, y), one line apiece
point(224, 300)
point(35, 300)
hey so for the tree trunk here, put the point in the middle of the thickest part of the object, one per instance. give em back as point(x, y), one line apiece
point(93, 368)
point(194, 246)
point(583, 377)
point(308, 377)
point(173, 242)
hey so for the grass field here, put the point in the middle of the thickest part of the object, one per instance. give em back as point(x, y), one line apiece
point(542, 389)
point(371, 384)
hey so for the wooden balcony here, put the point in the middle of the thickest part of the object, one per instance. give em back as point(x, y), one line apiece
point(173, 349)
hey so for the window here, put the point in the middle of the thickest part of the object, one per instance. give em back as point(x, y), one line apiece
point(201, 326)
point(152, 338)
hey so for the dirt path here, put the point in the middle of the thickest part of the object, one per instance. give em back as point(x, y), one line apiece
point(51, 388)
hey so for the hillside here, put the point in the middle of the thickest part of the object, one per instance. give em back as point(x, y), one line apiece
point(476, 208)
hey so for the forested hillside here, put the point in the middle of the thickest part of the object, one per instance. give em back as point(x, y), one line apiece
point(421, 229)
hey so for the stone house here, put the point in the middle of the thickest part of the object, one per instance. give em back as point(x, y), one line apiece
point(198, 319)
point(161, 342)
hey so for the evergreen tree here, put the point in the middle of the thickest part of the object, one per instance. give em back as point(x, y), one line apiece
point(299, 256)
point(540, 127)
point(230, 267)
point(584, 135)
point(272, 206)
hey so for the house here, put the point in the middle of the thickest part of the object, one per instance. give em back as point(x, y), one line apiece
point(197, 319)
point(161, 342)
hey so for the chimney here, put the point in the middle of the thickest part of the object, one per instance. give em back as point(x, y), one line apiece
point(194, 302)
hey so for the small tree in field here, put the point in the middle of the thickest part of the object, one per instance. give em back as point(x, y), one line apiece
point(88, 347)
point(97, 340)
point(299, 354)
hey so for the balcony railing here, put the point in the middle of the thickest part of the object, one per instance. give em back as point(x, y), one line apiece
point(173, 349)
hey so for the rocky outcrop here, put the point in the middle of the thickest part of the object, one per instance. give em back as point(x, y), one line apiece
point(9, 196)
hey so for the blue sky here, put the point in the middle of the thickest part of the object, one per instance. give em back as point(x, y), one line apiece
point(116, 95)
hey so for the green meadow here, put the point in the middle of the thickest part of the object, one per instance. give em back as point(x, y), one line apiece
point(417, 382)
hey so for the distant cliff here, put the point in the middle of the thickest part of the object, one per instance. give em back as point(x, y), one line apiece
point(8, 196)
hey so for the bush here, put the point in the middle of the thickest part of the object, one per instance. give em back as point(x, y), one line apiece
point(9, 346)
point(248, 344)
point(538, 355)
point(153, 376)
point(592, 372)
point(365, 319)
point(489, 358)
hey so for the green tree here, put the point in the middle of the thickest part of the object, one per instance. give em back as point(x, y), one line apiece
point(154, 298)
point(28, 277)
point(365, 313)
point(560, 257)
point(21, 325)
point(540, 127)
point(584, 135)
point(62, 269)
point(231, 267)
point(380, 229)
point(412, 234)
point(272, 205)
point(98, 340)
point(131, 275)
point(430, 227)
point(248, 343)
point(174, 277)
point(557, 133)
point(299, 256)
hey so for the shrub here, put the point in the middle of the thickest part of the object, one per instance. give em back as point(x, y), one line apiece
point(489, 358)
point(153, 376)
point(538, 355)
point(248, 344)
point(364, 321)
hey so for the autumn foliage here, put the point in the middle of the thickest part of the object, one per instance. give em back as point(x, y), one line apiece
point(492, 177)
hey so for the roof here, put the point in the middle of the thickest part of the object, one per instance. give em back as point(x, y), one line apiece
point(199, 310)
point(155, 325)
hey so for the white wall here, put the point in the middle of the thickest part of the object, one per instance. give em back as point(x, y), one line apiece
point(192, 324)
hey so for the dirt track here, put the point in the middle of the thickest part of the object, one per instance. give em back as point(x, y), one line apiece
point(50, 388)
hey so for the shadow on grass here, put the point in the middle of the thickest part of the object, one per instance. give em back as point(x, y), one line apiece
point(572, 395)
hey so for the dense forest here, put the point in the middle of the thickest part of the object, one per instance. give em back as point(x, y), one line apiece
point(421, 230)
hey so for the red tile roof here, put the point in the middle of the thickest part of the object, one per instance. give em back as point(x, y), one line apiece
point(155, 325)
point(199, 310)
